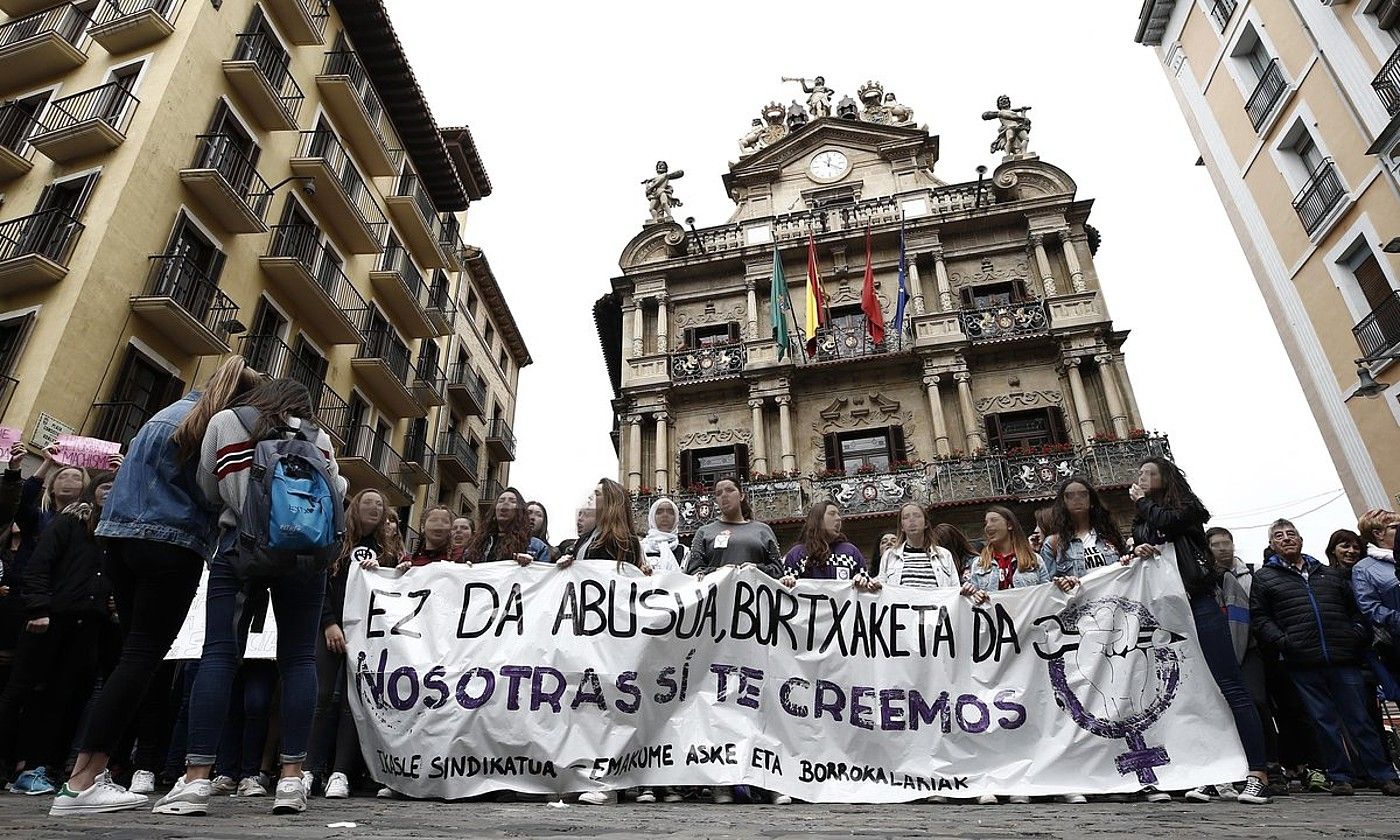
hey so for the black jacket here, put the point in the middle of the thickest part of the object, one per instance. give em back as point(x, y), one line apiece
point(333, 606)
point(633, 556)
point(1310, 621)
point(10, 484)
point(1185, 530)
point(66, 574)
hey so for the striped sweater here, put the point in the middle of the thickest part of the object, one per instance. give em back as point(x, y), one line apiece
point(227, 456)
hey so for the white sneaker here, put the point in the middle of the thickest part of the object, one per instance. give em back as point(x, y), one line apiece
point(186, 799)
point(782, 799)
point(646, 797)
point(387, 793)
point(987, 799)
point(1072, 798)
point(1227, 791)
point(1154, 795)
point(224, 786)
point(143, 781)
point(291, 796)
point(938, 800)
point(250, 786)
point(722, 795)
point(598, 797)
point(101, 797)
point(1019, 800)
point(672, 795)
point(337, 787)
point(308, 781)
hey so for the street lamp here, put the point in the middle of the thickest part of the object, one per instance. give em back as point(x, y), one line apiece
point(1393, 246)
point(1366, 384)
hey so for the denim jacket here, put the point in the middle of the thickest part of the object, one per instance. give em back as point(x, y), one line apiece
point(1070, 562)
point(989, 580)
point(156, 495)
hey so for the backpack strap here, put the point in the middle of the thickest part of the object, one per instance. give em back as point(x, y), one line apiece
point(248, 417)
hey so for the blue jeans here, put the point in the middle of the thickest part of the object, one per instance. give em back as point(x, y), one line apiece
point(1335, 697)
point(296, 603)
point(1219, 651)
point(245, 728)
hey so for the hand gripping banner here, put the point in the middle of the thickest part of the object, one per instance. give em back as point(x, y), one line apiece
point(545, 680)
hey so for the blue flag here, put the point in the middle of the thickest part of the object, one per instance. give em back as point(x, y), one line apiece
point(903, 284)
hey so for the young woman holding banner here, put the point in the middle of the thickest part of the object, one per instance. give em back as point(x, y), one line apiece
point(505, 535)
point(1007, 561)
point(435, 540)
point(611, 539)
point(1168, 511)
point(823, 552)
point(662, 545)
point(1081, 534)
point(918, 560)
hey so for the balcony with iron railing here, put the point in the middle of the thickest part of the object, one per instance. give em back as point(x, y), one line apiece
point(41, 45)
point(185, 307)
point(399, 287)
point(8, 386)
point(467, 392)
point(415, 217)
point(225, 181)
point(382, 366)
point(308, 277)
point(491, 490)
point(303, 22)
point(707, 364)
point(1379, 331)
point(456, 459)
point(1387, 83)
point(349, 96)
point(367, 461)
point(16, 154)
point(500, 439)
point(1266, 96)
point(442, 311)
point(35, 249)
point(274, 357)
point(118, 421)
point(1322, 193)
point(342, 197)
point(333, 413)
point(419, 459)
point(450, 241)
point(850, 340)
point(1220, 12)
point(86, 123)
point(122, 26)
point(1004, 322)
point(429, 380)
point(260, 71)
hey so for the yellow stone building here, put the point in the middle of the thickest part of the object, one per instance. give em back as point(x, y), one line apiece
point(1295, 106)
point(184, 179)
point(1007, 377)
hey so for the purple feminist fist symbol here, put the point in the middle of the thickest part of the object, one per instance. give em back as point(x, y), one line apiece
point(1112, 633)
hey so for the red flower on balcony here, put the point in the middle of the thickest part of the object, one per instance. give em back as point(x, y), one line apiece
point(836, 472)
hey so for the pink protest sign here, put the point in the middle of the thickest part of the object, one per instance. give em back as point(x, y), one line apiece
point(8, 437)
point(86, 452)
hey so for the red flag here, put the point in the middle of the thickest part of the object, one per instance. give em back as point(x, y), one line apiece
point(816, 299)
point(869, 304)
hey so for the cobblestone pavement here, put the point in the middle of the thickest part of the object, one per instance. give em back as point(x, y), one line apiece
point(1364, 816)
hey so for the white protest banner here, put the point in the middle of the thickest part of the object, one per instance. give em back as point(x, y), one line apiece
point(546, 680)
point(86, 452)
point(189, 643)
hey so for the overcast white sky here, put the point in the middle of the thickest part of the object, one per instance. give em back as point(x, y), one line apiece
point(572, 104)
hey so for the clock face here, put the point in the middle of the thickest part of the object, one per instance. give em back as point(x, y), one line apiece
point(829, 165)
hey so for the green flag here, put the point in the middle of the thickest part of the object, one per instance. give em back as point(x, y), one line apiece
point(776, 295)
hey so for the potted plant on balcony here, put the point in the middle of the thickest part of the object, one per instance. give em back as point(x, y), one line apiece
point(866, 469)
point(832, 472)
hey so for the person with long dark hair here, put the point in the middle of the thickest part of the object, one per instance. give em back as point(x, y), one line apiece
point(823, 552)
point(283, 407)
point(611, 539)
point(734, 539)
point(1168, 511)
point(952, 538)
point(1081, 535)
point(158, 526)
point(505, 535)
point(435, 539)
point(462, 529)
point(918, 560)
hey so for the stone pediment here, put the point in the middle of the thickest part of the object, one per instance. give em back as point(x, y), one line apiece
point(891, 142)
point(1022, 180)
point(655, 244)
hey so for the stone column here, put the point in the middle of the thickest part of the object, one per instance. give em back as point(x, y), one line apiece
point(785, 432)
point(1110, 391)
point(1042, 262)
point(916, 285)
point(663, 454)
point(634, 452)
point(975, 440)
point(1081, 402)
point(1120, 367)
point(637, 328)
point(945, 289)
point(751, 333)
point(1076, 273)
point(663, 338)
point(760, 436)
point(940, 423)
point(622, 432)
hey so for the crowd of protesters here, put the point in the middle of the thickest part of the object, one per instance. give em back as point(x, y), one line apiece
point(100, 569)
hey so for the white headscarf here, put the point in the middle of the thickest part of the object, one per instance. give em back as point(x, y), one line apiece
point(658, 541)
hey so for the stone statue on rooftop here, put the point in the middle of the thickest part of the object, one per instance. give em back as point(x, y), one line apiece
point(1015, 128)
point(660, 195)
point(818, 95)
point(750, 143)
point(899, 114)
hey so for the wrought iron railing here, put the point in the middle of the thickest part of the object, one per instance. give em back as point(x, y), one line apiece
point(409, 185)
point(319, 12)
point(275, 65)
point(364, 442)
point(851, 341)
point(177, 277)
point(387, 348)
point(1387, 83)
point(303, 243)
point(1380, 329)
point(491, 491)
point(119, 421)
point(427, 373)
point(452, 445)
point(17, 123)
point(1266, 94)
point(417, 450)
point(332, 412)
point(462, 375)
point(222, 153)
point(873, 492)
point(49, 233)
point(1116, 462)
point(708, 363)
point(347, 63)
point(440, 303)
point(396, 259)
point(111, 11)
point(1220, 12)
point(1319, 195)
point(271, 355)
point(326, 146)
point(8, 386)
point(111, 103)
point(499, 429)
point(450, 234)
point(66, 21)
point(1004, 321)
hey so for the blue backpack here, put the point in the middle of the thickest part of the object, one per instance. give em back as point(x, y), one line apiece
point(293, 514)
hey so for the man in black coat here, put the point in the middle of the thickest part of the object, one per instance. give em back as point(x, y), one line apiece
point(1305, 611)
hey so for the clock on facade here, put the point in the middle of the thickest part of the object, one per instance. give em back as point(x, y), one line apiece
point(829, 165)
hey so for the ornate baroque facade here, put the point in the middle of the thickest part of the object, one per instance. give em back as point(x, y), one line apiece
point(1008, 377)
